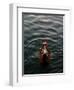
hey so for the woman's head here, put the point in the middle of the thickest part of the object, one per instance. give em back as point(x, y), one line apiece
point(45, 44)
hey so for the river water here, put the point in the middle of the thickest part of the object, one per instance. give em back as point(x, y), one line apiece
point(35, 29)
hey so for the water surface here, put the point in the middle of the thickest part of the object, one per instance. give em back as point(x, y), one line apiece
point(35, 29)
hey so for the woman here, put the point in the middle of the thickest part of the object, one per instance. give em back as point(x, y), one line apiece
point(44, 54)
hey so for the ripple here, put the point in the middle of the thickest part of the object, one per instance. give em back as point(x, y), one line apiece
point(39, 27)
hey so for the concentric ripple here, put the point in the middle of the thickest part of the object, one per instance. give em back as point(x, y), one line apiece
point(36, 28)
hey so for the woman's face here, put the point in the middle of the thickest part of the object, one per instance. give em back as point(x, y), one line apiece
point(45, 46)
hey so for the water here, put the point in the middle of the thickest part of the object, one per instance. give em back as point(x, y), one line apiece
point(36, 28)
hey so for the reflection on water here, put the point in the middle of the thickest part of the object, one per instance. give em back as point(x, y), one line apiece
point(36, 28)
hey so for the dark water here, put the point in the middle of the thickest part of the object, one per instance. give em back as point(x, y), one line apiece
point(35, 29)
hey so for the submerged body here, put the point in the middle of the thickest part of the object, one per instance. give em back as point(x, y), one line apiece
point(44, 54)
